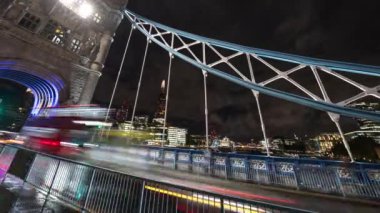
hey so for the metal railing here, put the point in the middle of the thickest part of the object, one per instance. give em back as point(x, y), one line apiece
point(359, 180)
point(94, 189)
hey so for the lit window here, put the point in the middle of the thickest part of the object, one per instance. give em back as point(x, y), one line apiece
point(75, 45)
point(30, 22)
point(97, 18)
point(55, 32)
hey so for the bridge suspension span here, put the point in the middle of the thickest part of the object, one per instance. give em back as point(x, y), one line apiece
point(185, 46)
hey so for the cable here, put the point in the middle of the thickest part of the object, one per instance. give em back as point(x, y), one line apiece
point(139, 85)
point(168, 88)
point(118, 74)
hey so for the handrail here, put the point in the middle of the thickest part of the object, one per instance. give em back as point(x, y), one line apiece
point(150, 182)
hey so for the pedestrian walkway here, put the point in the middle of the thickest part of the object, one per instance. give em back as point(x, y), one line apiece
point(18, 197)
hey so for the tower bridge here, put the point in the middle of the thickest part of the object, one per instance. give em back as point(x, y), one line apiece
point(57, 48)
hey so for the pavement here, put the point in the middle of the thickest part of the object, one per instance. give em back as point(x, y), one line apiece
point(18, 197)
point(122, 160)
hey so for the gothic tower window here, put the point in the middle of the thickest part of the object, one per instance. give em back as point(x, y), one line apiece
point(55, 32)
point(75, 45)
point(97, 18)
point(29, 22)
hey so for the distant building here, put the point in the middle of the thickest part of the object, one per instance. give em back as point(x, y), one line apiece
point(224, 145)
point(197, 140)
point(279, 143)
point(122, 112)
point(159, 115)
point(155, 142)
point(226, 142)
point(326, 141)
point(311, 145)
point(290, 141)
point(141, 122)
point(368, 128)
point(177, 136)
point(275, 143)
point(126, 126)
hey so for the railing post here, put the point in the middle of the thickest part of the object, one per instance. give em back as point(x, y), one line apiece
point(339, 182)
point(89, 189)
point(51, 186)
point(221, 205)
point(227, 167)
point(142, 197)
point(24, 180)
point(295, 170)
point(175, 159)
point(30, 168)
point(257, 175)
point(191, 161)
point(246, 169)
point(162, 158)
point(209, 160)
point(6, 172)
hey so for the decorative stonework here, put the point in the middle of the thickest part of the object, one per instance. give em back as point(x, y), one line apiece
point(185, 157)
point(169, 155)
point(154, 154)
point(220, 161)
point(344, 173)
point(237, 162)
point(197, 158)
point(258, 165)
point(285, 167)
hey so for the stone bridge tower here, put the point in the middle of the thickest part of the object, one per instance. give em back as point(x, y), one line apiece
point(57, 48)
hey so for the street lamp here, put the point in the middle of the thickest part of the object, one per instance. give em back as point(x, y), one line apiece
point(83, 8)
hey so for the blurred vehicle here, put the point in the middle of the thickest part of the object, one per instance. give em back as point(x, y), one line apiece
point(10, 138)
point(66, 124)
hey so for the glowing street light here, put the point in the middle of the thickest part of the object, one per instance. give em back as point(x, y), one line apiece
point(68, 3)
point(83, 8)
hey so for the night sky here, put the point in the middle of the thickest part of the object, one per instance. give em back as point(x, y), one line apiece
point(337, 30)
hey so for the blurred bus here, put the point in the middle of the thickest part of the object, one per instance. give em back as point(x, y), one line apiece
point(66, 124)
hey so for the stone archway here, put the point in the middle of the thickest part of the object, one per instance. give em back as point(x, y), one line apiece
point(46, 87)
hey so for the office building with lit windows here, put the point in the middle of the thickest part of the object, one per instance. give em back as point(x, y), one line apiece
point(177, 136)
point(326, 141)
point(367, 127)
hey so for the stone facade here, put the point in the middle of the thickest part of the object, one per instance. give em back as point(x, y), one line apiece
point(67, 39)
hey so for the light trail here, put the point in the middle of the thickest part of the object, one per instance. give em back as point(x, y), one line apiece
point(239, 207)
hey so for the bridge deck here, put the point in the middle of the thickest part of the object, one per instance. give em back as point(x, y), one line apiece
point(124, 162)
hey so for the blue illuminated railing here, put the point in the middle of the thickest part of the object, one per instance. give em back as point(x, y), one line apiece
point(361, 180)
point(93, 189)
